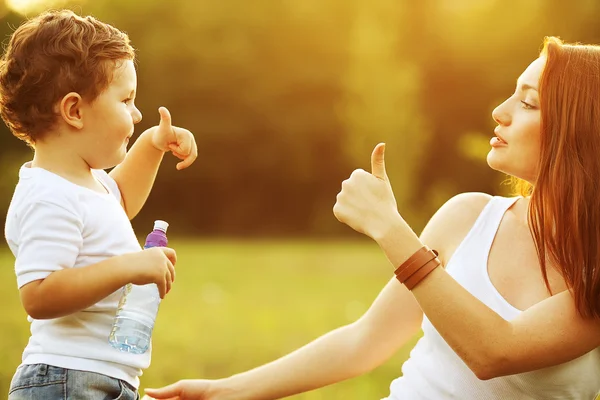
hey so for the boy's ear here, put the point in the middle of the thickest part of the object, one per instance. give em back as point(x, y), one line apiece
point(71, 110)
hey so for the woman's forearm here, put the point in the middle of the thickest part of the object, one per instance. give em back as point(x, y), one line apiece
point(477, 334)
point(340, 354)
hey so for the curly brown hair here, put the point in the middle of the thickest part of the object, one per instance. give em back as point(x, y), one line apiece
point(49, 56)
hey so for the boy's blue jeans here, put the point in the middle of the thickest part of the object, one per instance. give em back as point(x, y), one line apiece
point(41, 381)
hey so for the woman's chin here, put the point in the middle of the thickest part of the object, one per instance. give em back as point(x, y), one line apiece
point(501, 164)
point(494, 160)
point(498, 163)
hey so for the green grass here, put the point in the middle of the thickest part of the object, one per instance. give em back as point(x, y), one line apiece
point(238, 304)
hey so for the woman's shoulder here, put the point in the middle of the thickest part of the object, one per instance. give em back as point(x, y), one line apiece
point(452, 222)
point(468, 202)
point(462, 209)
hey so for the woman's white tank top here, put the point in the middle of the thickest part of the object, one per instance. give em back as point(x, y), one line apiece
point(435, 372)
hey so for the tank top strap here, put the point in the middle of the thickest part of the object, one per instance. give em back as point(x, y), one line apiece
point(487, 224)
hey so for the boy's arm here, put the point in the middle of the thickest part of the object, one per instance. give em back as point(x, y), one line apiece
point(49, 241)
point(136, 174)
point(70, 290)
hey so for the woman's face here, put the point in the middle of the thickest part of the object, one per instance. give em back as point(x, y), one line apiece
point(516, 146)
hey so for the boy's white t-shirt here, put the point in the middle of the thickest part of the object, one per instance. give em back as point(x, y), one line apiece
point(54, 224)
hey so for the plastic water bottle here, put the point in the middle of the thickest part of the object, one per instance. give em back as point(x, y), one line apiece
point(132, 329)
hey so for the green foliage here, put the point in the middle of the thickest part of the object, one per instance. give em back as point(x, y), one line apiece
point(287, 98)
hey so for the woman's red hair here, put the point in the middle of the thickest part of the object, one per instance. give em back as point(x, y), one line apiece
point(564, 210)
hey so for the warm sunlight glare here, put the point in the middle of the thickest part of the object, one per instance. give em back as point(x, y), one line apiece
point(26, 7)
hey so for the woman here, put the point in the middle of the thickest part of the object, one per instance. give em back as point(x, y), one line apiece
point(515, 313)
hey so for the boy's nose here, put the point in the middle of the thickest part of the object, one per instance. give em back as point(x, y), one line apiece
point(137, 116)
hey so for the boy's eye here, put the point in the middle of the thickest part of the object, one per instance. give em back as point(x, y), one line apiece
point(127, 101)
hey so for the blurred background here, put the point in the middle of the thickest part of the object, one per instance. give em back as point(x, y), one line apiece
point(285, 99)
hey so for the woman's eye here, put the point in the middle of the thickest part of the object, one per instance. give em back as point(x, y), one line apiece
point(526, 105)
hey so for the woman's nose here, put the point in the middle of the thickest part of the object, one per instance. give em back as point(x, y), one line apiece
point(501, 114)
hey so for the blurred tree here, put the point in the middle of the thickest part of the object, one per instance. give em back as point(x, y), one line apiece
point(258, 84)
point(287, 98)
point(382, 98)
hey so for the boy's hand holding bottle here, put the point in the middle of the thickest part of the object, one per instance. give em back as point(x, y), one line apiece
point(152, 265)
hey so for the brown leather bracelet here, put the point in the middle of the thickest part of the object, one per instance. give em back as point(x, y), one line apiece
point(417, 267)
point(414, 267)
point(411, 259)
point(411, 263)
point(414, 262)
point(419, 275)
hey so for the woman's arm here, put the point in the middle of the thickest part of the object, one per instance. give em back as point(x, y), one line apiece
point(341, 354)
point(547, 334)
point(393, 318)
